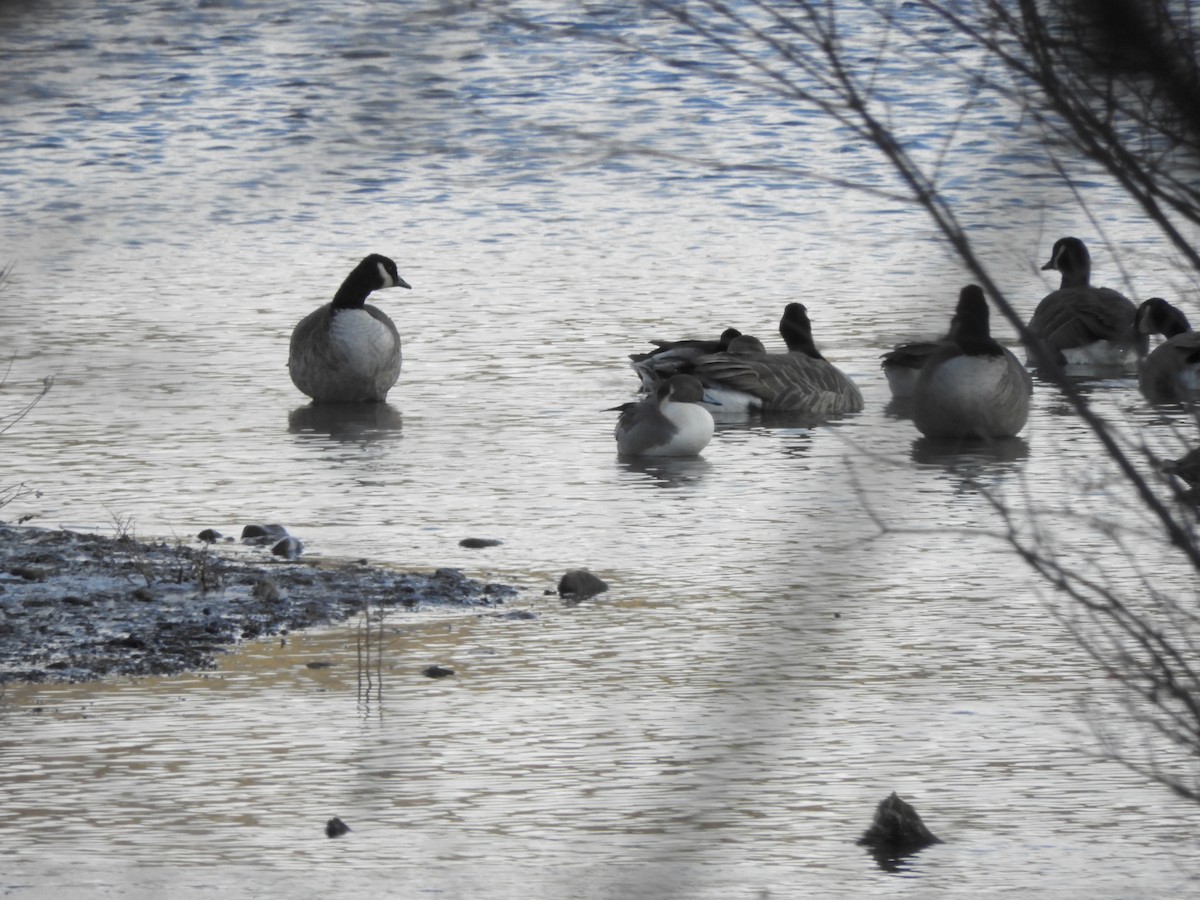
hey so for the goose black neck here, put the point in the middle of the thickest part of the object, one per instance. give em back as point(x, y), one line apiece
point(355, 289)
point(796, 331)
point(972, 330)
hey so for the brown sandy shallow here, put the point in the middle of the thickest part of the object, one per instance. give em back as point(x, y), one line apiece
point(79, 607)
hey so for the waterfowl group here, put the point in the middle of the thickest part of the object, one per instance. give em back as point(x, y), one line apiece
point(745, 378)
point(964, 385)
point(348, 351)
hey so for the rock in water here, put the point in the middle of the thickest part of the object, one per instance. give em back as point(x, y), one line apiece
point(580, 583)
point(897, 828)
point(335, 827)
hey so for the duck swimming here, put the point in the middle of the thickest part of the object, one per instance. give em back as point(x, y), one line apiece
point(670, 422)
point(1079, 324)
point(973, 387)
point(348, 351)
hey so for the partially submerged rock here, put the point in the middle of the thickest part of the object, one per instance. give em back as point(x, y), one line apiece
point(897, 829)
point(335, 827)
point(579, 584)
point(477, 543)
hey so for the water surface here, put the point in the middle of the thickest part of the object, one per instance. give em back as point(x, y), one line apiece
point(800, 622)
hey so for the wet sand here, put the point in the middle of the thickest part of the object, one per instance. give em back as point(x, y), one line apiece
point(79, 607)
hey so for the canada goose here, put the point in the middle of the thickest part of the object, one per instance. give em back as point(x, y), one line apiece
point(1186, 468)
point(798, 381)
point(348, 351)
point(1171, 371)
point(1079, 324)
point(973, 387)
point(670, 422)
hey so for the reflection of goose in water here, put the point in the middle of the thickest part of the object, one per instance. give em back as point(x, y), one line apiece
point(670, 422)
point(1171, 371)
point(1079, 324)
point(972, 388)
point(800, 380)
point(346, 421)
point(348, 351)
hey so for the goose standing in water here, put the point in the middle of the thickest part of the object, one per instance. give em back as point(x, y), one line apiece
point(1079, 324)
point(348, 351)
point(973, 387)
point(1171, 371)
point(670, 422)
point(749, 380)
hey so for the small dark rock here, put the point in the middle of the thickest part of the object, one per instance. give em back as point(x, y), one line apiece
point(288, 548)
point(436, 671)
point(335, 827)
point(319, 664)
point(520, 615)
point(580, 584)
point(144, 594)
point(479, 543)
point(209, 536)
point(897, 829)
point(264, 589)
point(30, 573)
point(263, 534)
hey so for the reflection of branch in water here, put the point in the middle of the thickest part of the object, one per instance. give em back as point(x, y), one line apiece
point(8, 420)
point(369, 645)
point(1141, 631)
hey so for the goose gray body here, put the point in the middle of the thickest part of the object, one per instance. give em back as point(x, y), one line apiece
point(1079, 324)
point(348, 351)
point(1171, 371)
point(670, 422)
point(750, 380)
point(973, 387)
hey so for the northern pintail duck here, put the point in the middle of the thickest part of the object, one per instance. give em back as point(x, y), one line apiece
point(1171, 371)
point(1079, 324)
point(670, 422)
point(348, 351)
point(973, 387)
point(750, 380)
point(669, 357)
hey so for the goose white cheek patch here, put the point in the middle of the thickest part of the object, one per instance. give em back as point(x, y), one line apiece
point(388, 280)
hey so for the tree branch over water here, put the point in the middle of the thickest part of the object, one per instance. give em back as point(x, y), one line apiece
point(1112, 83)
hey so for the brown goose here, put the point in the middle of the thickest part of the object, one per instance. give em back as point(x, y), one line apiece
point(1171, 371)
point(798, 381)
point(1079, 324)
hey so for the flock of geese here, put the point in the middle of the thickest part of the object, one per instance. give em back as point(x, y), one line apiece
point(964, 386)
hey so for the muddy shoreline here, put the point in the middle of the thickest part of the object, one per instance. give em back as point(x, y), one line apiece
point(81, 607)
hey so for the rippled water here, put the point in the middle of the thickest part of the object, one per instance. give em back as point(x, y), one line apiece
point(800, 622)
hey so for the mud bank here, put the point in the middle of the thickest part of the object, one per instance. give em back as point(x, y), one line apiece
point(79, 607)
